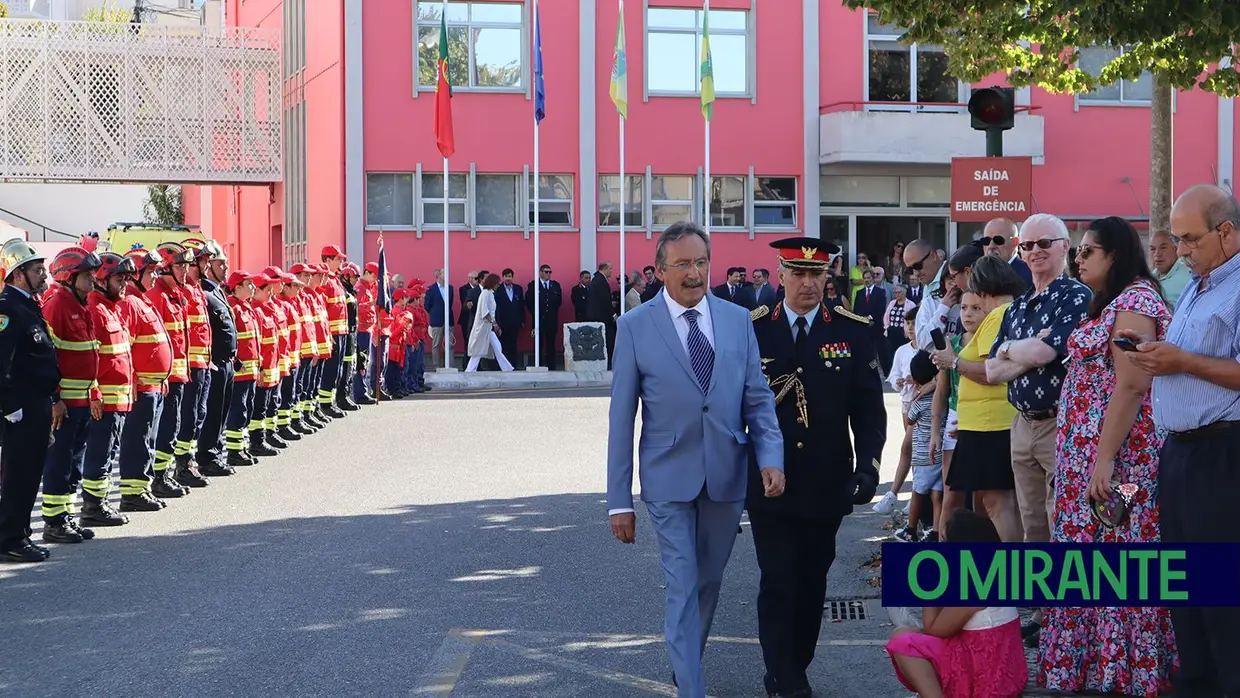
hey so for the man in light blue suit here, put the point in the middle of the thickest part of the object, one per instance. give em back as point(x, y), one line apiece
point(693, 361)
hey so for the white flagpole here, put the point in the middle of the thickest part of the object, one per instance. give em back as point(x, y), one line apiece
point(624, 190)
point(706, 160)
point(537, 242)
point(447, 314)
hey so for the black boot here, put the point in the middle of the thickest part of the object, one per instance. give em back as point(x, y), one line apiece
point(164, 486)
point(274, 441)
point(60, 532)
point(301, 427)
point(187, 474)
point(331, 410)
point(216, 470)
point(141, 502)
point(72, 522)
point(345, 403)
point(261, 448)
point(98, 512)
point(366, 400)
point(238, 459)
point(286, 432)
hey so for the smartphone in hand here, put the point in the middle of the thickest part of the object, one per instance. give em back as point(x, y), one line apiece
point(936, 335)
point(1125, 344)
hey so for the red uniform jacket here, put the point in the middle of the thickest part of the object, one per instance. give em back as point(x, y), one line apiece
point(198, 325)
point(309, 337)
point(268, 344)
point(399, 328)
point(421, 324)
point(116, 376)
point(151, 351)
point(77, 349)
point(275, 307)
point(337, 306)
point(169, 303)
point(366, 310)
point(247, 340)
point(323, 335)
point(292, 316)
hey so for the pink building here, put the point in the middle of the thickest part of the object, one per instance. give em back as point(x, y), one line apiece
point(824, 125)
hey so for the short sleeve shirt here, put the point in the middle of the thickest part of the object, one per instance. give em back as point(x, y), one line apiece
point(1057, 310)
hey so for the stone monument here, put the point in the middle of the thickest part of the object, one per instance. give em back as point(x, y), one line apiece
point(585, 347)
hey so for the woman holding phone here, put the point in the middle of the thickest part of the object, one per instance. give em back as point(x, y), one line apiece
point(1106, 472)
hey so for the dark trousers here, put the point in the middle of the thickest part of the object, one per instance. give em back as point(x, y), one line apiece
point(316, 380)
point(794, 556)
point(62, 464)
point(240, 409)
point(21, 467)
point(103, 448)
point(331, 369)
point(305, 394)
point(138, 442)
point(1197, 481)
point(418, 370)
point(219, 398)
point(288, 397)
point(364, 384)
point(169, 425)
point(348, 366)
point(193, 412)
point(611, 341)
point(895, 340)
point(264, 398)
point(508, 341)
point(546, 349)
point(394, 375)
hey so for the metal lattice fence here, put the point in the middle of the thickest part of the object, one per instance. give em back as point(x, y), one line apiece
point(98, 101)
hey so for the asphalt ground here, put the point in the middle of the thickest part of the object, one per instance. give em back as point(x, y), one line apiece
point(434, 546)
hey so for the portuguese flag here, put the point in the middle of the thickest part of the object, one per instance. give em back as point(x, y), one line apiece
point(443, 96)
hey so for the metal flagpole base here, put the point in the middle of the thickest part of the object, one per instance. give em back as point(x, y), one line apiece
point(536, 369)
point(447, 370)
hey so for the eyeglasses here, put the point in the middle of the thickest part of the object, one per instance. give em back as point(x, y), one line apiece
point(995, 240)
point(1084, 252)
point(1193, 243)
point(699, 264)
point(1043, 244)
point(921, 262)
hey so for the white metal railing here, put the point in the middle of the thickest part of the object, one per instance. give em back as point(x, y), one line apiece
point(107, 102)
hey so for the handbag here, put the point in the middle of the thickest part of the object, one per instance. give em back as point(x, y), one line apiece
point(1114, 513)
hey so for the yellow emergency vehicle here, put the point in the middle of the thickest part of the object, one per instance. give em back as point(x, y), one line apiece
point(122, 237)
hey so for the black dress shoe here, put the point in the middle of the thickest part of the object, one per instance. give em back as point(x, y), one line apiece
point(216, 469)
point(61, 533)
point(24, 551)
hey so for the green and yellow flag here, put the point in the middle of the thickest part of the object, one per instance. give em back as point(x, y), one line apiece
point(708, 68)
point(620, 70)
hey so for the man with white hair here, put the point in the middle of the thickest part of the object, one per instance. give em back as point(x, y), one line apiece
point(1170, 270)
point(1000, 237)
point(1028, 355)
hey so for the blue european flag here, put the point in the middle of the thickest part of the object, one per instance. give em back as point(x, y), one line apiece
point(540, 90)
point(383, 296)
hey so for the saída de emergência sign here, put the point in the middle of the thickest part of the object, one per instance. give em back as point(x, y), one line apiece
point(1061, 574)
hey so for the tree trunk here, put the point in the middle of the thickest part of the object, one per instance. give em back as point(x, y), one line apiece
point(1160, 155)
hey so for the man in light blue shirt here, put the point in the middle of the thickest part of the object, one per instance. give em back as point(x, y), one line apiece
point(1196, 391)
point(1169, 269)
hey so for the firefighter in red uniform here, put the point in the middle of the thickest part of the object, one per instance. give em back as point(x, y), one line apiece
point(116, 382)
point(77, 354)
point(323, 343)
point(288, 422)
point(306, 388)
point(336, 302)
point(368, 368)
point(267, 394)
point(152, 362)
point(240, 411)
point(170, 302)
point(420, 338)
point(278, 420)
point(397, 329)
point(198, 389)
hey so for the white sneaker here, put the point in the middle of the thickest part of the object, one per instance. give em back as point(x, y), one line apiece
point(887, 504)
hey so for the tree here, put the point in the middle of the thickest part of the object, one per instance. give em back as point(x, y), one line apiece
point(4, 10)
point(1038, 43)
point(506, 75)
point(163, 205)
point(108, 12)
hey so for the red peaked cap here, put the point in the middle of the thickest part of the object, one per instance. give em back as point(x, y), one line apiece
point(805, 253)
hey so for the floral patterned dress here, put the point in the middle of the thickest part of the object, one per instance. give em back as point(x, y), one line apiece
point(1128, 651)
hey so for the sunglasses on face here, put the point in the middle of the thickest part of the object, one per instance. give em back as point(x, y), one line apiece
point(921, 262)
point(1043, 244)
point(996, 240)
point(1084, 252)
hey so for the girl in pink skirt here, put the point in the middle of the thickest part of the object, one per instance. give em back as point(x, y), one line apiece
point(963, 652)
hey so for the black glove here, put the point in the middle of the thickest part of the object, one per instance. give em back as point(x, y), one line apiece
point(236, 364)
point(864, 485)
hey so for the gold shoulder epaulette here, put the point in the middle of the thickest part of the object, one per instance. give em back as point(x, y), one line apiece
point(852, 316)
point(759, 312)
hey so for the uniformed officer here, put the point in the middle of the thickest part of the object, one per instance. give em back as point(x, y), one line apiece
point(212, 273)
point(822, 365)
point(29, 378)
point(347, 277)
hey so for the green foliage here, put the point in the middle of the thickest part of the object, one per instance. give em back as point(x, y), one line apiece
point(108, 12)
point(163, 205)
point(4, 10)
point(506, 75)
point(1037, 42)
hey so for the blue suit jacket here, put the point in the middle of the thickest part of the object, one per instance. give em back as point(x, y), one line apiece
point(433, 303)
point(688, 438)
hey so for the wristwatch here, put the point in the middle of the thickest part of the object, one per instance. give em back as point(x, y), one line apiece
point(956, 364)
point(1004, 348)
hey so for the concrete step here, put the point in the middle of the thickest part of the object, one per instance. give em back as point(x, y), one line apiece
point(515, 380)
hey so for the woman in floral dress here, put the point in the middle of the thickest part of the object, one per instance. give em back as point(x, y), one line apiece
point(1106, 436)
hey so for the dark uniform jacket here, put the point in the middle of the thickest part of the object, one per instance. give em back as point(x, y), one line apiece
point(223, 329)
point(28, 369)
point(829, 402)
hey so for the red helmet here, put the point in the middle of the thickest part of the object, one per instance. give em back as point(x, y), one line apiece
point(70, 261)
point(171, 253)
point(113, 263)
point(142, 259)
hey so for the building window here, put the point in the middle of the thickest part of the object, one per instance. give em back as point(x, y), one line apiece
point(555, 200)
point(847, 190)
point(609, 200)
point(432, 199)
point(674, 51)
point(389, 199)
point(727, 202)
point(928, 191)
point(915, 73)
point(671, 199)
point(496, 200)
point(485, 44)
point(774, 202)
point(1092, 61)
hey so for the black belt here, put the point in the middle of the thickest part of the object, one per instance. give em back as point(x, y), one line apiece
point(1040, 415)
point(1202, 432)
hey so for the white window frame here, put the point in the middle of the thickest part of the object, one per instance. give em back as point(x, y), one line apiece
point(746, 203)
point(755, 204)
point(524, 83)
point(1085, 100)
point(643, 206)
point(413, 198)
point(531, 191)
point(963, 90)
point(517, 179)
point(695, 189)
point(750, 51)
point(467, 201)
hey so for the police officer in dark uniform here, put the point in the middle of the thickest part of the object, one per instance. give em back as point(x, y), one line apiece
point(212, 272)
point(29, 405)
point(823, 368)
point(344, 387)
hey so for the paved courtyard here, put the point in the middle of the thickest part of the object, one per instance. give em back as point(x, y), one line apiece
point(450, 545)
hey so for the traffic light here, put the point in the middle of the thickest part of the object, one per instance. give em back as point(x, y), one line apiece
point(993, 108)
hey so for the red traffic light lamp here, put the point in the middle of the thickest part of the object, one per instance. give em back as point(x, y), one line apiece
point(993, 110)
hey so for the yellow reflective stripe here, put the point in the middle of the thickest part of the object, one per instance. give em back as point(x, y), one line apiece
point(74, 394)
point(200, 351)
point(174, 325)
point(151, 379)
point(247, 335)
point(76, 383)
point(65, 345)
point(114, 348)
point(269, 340)
point(180, 365)
point(150, 338)
point(271, 375)
point(198, 319)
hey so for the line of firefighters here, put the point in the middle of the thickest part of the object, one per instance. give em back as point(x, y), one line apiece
point(177, 370)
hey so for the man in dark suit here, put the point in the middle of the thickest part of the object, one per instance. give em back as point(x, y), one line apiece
point(580, 292)
point(469, 304)
point(653, 285)
point(872, 304)
point(763, 291)
point(550, 298)
point(599, 306)
point(822, 353)
point(510, 315)
point(438, 301)
point(735, 289)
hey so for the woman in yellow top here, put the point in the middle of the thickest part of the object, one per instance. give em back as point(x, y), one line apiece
point(982, 462)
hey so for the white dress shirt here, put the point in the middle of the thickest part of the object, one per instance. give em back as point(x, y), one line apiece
point(792, 320)
point(677, 311)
